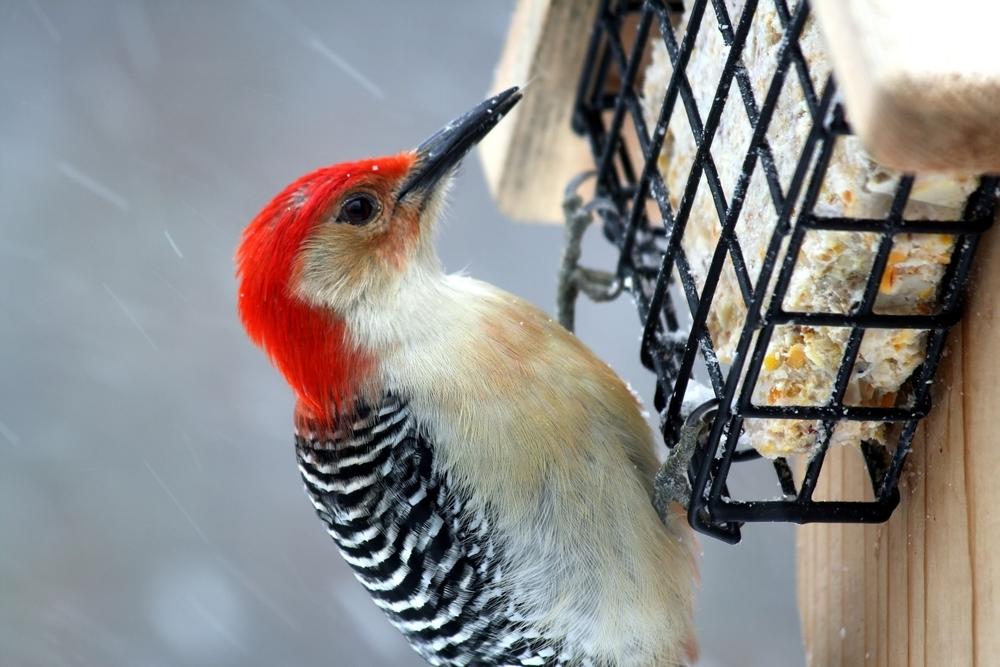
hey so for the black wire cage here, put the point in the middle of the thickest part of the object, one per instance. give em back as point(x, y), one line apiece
point(647, 230)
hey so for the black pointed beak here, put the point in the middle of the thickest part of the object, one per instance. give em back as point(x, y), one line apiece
point(445, 149)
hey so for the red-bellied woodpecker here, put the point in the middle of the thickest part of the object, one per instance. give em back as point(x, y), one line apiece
point(484, 473)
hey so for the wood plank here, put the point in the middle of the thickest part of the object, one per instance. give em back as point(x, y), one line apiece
point(529, 158)
point(981, 368)
point(923, 589)
point(921, 80)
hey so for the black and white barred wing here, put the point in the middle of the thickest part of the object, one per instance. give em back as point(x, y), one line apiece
point(429, 565)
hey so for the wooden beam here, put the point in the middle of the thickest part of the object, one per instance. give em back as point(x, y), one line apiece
point(921, 79)
point(529, 158)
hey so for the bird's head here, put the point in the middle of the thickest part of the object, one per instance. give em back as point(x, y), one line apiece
point(338, 238)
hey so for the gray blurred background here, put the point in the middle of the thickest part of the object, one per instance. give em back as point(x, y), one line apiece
point(150, 508)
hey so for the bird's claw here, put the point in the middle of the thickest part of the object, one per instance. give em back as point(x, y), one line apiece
point(672, 484)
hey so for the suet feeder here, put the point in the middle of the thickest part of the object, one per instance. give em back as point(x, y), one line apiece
point(796, 194)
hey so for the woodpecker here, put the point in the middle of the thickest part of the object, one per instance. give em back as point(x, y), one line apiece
point(486, 476)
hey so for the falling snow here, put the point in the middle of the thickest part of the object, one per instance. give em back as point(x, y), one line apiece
point(366, 83)
point(130, 316)
point(175, 501)
point(44, 19)
point(92, 185)
point(173, 245)
point(9, 435)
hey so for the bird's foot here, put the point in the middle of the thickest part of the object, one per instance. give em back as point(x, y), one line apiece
point(672, 483)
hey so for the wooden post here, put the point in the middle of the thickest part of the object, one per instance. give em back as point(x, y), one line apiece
point(924, 588)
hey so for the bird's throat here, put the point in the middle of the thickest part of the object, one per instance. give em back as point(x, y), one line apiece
point(312, 349)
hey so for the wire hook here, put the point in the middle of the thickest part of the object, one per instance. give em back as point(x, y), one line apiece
point(573, 278)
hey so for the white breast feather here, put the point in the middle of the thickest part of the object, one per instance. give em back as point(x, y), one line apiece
point(555, 447)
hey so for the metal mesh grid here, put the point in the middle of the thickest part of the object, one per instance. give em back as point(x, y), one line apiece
point(651, 253)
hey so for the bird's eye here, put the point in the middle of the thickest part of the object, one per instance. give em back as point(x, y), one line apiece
point(358, 209)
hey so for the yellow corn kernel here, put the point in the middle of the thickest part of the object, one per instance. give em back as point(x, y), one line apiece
point(772, 361)
point(897, 256)
point(796, 356)
point(888, 278)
